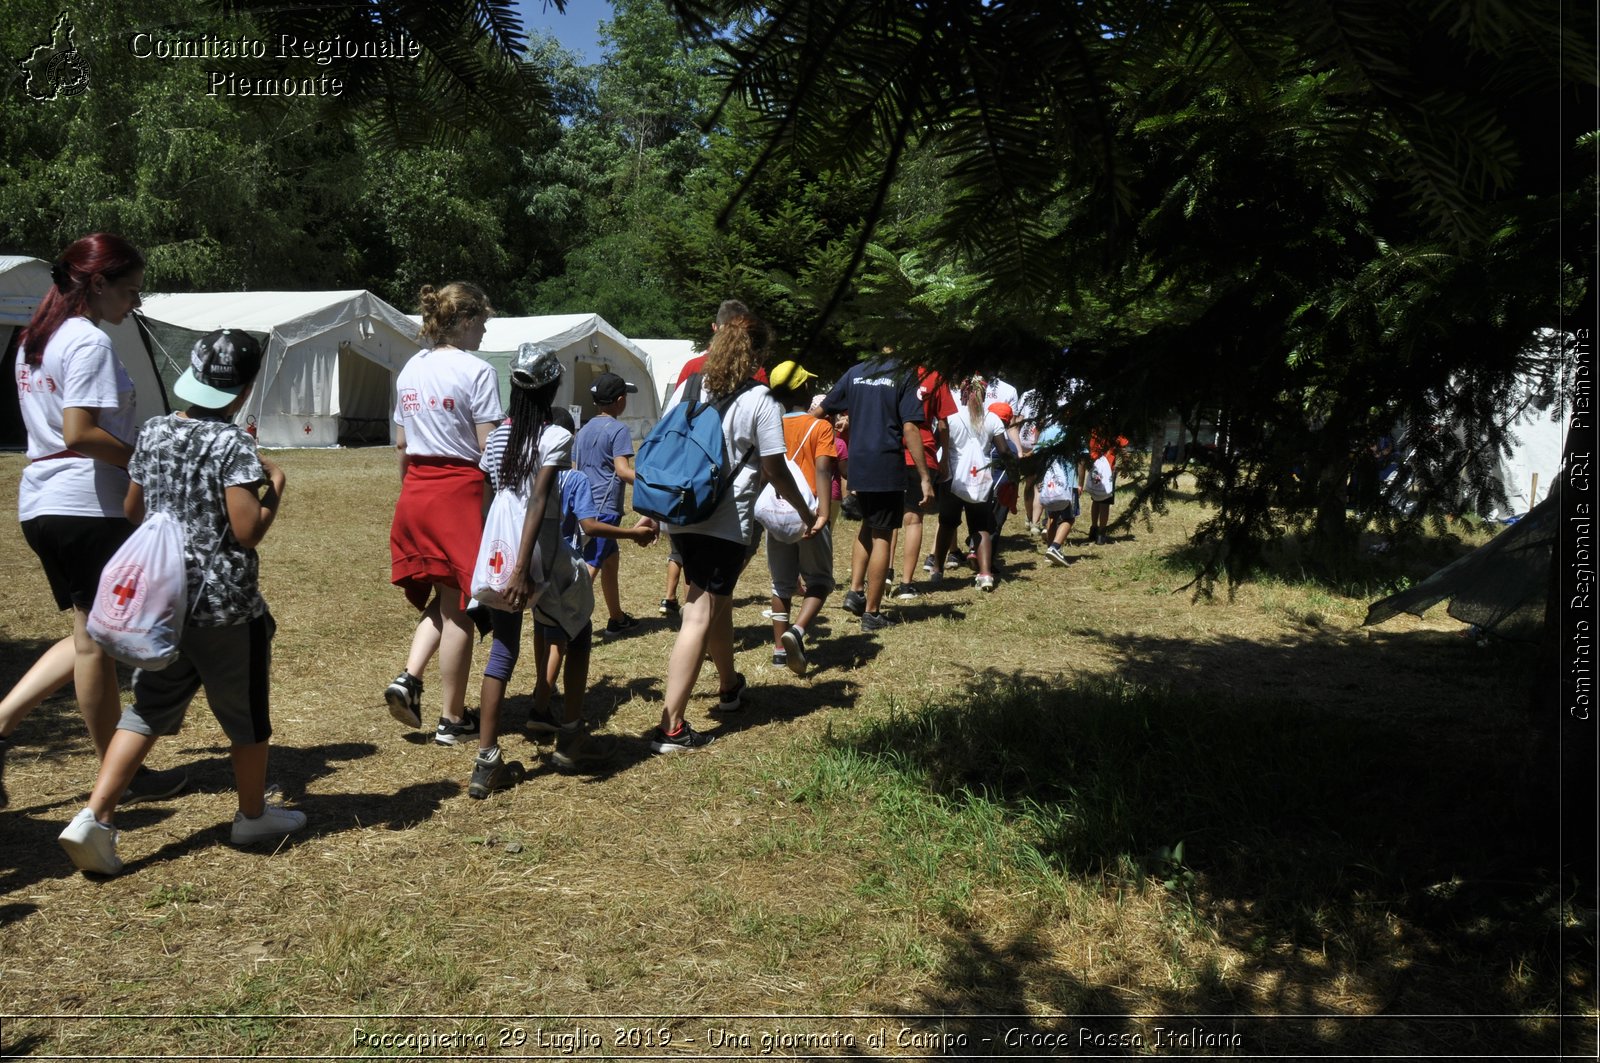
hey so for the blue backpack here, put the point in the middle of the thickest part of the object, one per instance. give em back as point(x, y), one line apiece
point(680, 474)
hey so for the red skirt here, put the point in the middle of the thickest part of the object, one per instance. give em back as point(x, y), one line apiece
point(437, 525)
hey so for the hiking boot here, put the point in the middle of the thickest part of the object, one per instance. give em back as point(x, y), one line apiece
point(448, 734)
point(686, 739)
point(794, 645)
point(273, 824)
point(874, 621)
point(150, 785)
point(906, 593)
point(617, 625)
point(855, 602)
point(493, 773)
point(1053, 552)
point(404, 697)
point(578, 750)
point(668, 607)
point(731, 700)
point(91, 845)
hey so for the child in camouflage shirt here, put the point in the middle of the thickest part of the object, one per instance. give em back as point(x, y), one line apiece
point(204, 471)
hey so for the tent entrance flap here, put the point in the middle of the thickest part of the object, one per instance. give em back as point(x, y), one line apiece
point(362, 399)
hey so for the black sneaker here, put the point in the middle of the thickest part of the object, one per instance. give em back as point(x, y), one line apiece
point(855, 602)
point(687, 738)
point(578, 750)
point(620, 624)
point(780, 658)
point(448, 734)
point(874, 621)
point(542, 722)
point(404, 696)
point(953, 560)
point(733, 700)
point(150, 785)
point(906, 593)
point(1054, 553)
point(794, 645)
point(668, 607)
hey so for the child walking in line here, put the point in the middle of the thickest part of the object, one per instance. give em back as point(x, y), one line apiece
point(603, 452)
point(808, 440)
point(523, 454)
point(554, 649)
point(204, 471)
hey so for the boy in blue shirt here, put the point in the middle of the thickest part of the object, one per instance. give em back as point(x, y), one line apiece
point(603, 452)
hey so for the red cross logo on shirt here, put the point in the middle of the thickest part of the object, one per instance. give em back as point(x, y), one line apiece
point(497, 562)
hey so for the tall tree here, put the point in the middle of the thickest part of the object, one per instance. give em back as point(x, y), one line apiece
point(1323, 216)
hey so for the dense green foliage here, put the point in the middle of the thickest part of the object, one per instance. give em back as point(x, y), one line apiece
point(1310, 223)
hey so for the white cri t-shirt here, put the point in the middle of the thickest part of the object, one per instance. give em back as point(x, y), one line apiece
point(441, 396)
point(79, 369)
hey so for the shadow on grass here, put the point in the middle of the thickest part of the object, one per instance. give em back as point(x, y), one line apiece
point(1319, 850)
point(1383, 564)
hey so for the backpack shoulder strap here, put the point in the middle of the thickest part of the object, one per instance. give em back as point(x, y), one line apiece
point(691, 391)
point(814, 422)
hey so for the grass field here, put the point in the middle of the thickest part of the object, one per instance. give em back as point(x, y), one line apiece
point(1086, 814)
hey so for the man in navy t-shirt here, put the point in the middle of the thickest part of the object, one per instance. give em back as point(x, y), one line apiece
point(885, 410)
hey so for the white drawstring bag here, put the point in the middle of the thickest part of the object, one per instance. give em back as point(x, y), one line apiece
point(970, 477)
point(142, 601)
point(1102, 482)
point(1055, 489)
point(783, 521)
point(497, 553)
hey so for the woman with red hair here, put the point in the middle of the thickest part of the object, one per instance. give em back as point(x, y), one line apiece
point(78, 406)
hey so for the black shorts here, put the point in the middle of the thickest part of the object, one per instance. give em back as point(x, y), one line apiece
point(881, 510)
point(980, 515)
point(913, 494)
point(711, 563)
point(73, 550)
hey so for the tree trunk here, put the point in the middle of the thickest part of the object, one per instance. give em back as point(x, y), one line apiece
point(1158, 486)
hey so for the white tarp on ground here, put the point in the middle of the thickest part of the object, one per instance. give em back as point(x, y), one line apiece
point(587, 346)
point(23, 282)
point(666, 359)
point(330, 358)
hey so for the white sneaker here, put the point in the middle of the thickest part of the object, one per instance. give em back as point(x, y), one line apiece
point(91, 844)
point(273, 823)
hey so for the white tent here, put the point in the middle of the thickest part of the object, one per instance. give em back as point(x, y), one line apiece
point(666, 359)
point(587, 346)
point(330, 358)
point(23, 282)
point(1537, 418)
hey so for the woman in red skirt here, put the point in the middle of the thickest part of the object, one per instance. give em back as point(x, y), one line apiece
point(447, 402)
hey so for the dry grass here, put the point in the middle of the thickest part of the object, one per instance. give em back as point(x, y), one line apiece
point(780, 872)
